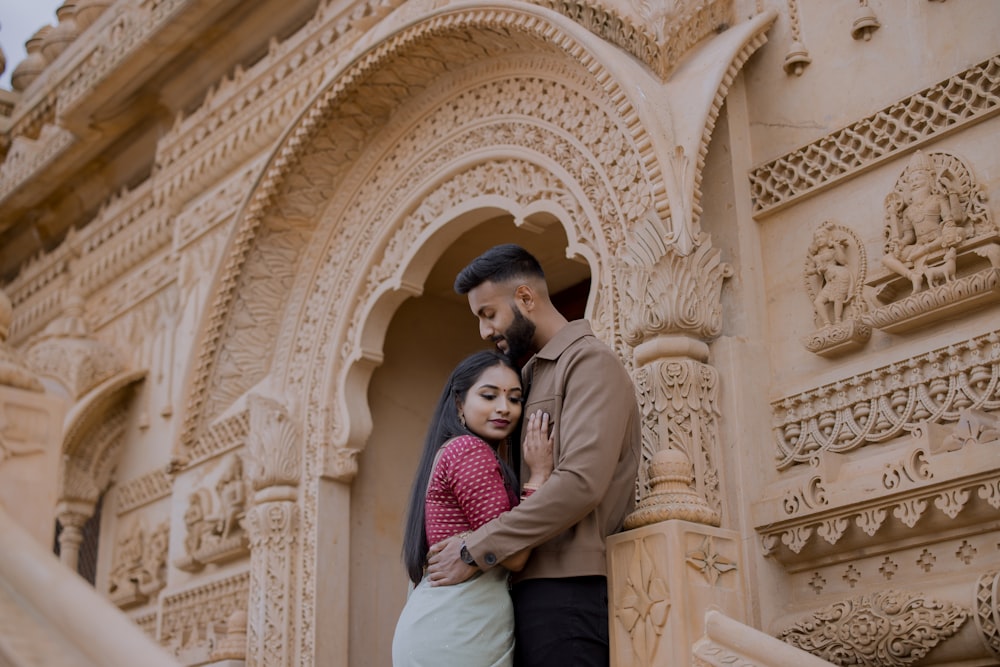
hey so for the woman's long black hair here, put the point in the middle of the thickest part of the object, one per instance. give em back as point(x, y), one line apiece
point(444, 425)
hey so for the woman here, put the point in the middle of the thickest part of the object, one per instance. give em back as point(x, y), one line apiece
point(460, 484)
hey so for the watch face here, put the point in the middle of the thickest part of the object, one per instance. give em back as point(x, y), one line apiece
point(466, 556)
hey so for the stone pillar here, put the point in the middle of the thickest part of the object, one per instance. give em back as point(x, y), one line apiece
point(274, 471)
point(673, 563)
point(72, 517)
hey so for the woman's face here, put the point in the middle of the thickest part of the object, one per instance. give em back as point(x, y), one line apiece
point(493, 404)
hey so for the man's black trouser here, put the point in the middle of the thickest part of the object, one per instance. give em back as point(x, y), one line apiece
point(561, 622)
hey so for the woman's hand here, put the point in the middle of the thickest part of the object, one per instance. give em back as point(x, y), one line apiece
point(536, 449)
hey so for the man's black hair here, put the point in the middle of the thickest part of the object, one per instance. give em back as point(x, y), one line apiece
point(498, 264)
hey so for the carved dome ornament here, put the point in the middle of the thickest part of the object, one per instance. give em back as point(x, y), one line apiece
point(26, 71)
point(67, 353)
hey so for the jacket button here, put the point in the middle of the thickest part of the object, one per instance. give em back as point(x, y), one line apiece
point(491, 559)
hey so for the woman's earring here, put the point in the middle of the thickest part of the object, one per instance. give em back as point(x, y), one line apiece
point(461, 418)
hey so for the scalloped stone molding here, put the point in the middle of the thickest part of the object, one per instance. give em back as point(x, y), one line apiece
point(888, 401)
point(190, 619)
point(966, 98)
point(943, 478)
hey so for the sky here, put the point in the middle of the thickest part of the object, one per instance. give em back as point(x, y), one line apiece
point(19, 19)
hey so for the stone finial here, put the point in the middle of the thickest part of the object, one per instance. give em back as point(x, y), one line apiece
point(33, 64)
point(672, 495)
point(13, 373)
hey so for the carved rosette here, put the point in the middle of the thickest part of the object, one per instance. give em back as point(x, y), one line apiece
point(273, 446)
point(671, 308)
point(885, 629)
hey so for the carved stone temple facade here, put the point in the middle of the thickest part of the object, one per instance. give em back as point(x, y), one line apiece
point(228, 233)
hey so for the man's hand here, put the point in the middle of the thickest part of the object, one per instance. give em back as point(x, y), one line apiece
point(444, 566)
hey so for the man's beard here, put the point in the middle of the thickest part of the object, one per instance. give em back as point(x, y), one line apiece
point(519, 337)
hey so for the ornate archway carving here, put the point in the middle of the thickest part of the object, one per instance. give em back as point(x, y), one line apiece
point(447, 121)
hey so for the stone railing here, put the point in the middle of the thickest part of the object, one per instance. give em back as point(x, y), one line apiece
point(727, 643)
point(68, 623)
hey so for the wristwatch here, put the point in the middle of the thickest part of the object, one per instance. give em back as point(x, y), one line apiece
point(467, 557)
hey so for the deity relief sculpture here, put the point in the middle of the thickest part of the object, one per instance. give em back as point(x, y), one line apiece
point(942, 249)
point(926, 216)
point(216, 536)
point(139, 569)
point(835, 269)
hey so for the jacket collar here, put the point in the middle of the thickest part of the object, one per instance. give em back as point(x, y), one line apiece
point(570, 333)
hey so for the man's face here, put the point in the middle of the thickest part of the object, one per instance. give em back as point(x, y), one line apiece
point(501, 320)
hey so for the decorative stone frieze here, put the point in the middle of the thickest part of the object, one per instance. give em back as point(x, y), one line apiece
point(888, 401)
point(192, 621)
point(835, 270)
point(966, 98)
point(886, 629)
point(143, 490)
point(139, 564)
point(26, 157)
point(942, 479)
point(224, 435)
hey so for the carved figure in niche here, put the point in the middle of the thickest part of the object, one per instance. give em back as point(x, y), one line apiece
point(232, 494)
point(128, 561)
point(925, 217)
point(834, 274)
point(827, 270)
point(152, 576)
point(196, 520)
point(139, 566)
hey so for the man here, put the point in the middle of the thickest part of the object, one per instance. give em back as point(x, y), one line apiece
point(560, 597)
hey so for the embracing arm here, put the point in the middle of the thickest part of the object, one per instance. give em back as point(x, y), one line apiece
point(445, 565)
point(597, 409)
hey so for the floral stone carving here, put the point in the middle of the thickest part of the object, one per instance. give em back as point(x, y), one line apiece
point(835, 270)
point(214, 537)
point(940, 238)
point(885, 629)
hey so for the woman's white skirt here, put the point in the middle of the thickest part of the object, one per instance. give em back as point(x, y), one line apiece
point(470, 624)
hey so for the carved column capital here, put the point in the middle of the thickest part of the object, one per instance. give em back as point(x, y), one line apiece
point(671, 293)
point(273, 444)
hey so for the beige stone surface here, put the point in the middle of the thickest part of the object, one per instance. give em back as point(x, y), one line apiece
point(228, 233)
